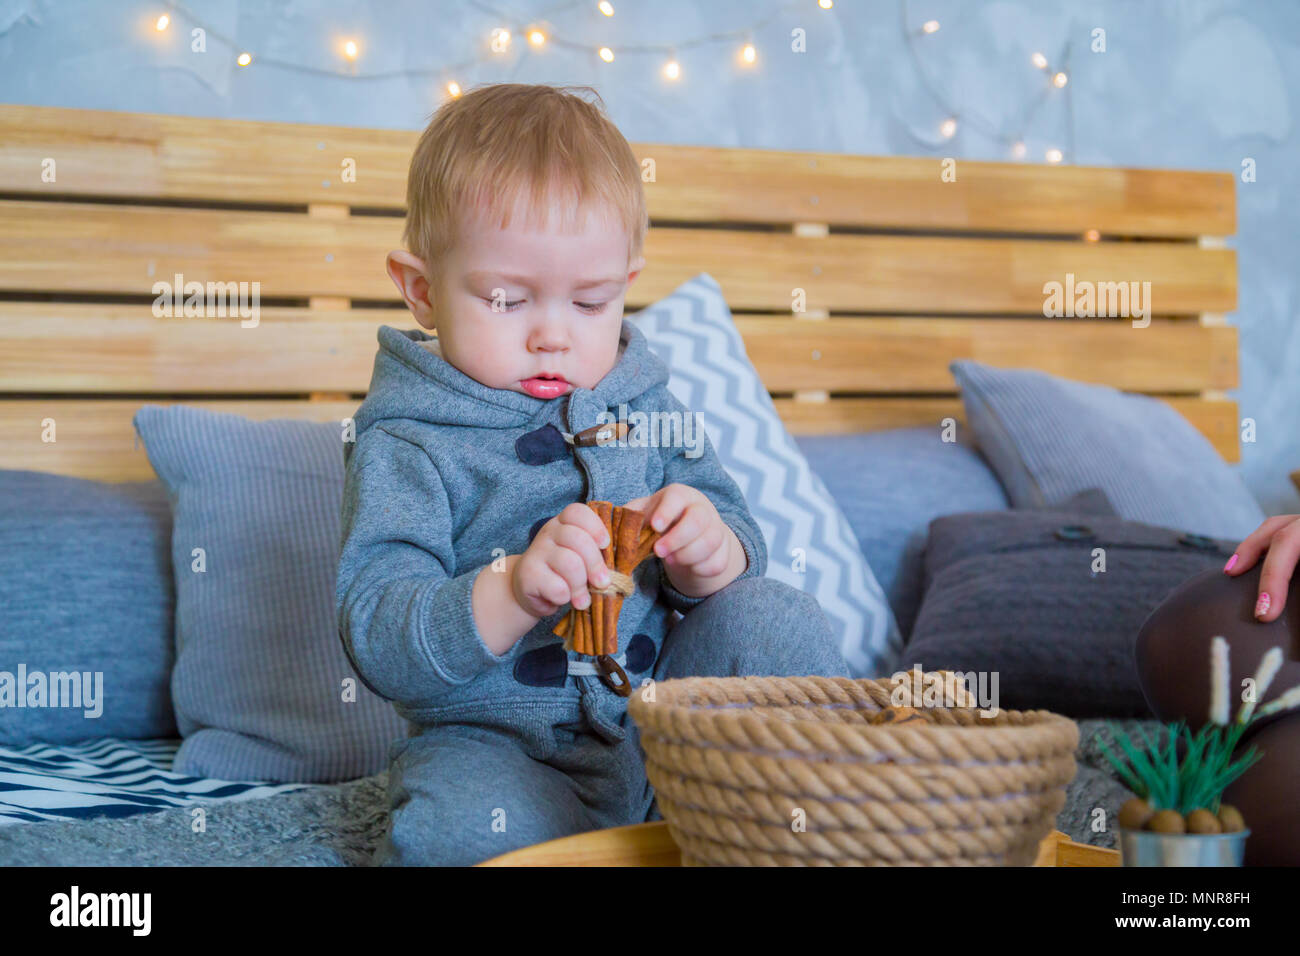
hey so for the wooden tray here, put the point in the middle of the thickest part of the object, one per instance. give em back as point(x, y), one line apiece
point(649, 844)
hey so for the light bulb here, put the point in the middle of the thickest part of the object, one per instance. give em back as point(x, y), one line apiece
point(536, 37)
point(607, 54)
point(350, 49)
point(453, 88)
point(948, 127)
point(161, 25)
point(1054, 155)
point(825, 4)
point(1018, 150)
point(500, 40)
point(749, 54)
point(606, 8)
point(1092, 235)
point(1039, 61)
point(1059, 80)
point(930, 26)
point(672, 69)
point(245, 59)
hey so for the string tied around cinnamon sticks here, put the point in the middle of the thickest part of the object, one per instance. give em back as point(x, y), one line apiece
point(619, 583)
point(594, 629)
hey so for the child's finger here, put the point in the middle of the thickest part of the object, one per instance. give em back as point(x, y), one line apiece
point(589, 566)
point(548, 588)
point(673, 501)
point(570, 566)
point(582, 515)
point(1255, 544)
point(1279, 566)
point(686, 527)
point(705, 554)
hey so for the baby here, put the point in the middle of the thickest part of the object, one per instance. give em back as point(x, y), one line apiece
point(466, 533)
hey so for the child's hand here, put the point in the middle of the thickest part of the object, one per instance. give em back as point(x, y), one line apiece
point(563, 556)
point(700, 553)
point(1280, 537)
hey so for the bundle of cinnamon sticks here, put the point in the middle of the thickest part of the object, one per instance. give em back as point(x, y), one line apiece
point(594, 630)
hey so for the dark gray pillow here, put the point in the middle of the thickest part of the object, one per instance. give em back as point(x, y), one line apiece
point(85, 589)
point(1049, 437)
point(890, 484)
point(259, 682)
point(1015, 593)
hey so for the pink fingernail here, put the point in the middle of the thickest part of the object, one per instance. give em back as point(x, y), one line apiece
point(1262, 607)
point(1231, 561)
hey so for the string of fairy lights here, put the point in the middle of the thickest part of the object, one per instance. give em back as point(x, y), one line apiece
point(538, 34)
point(1056, 78)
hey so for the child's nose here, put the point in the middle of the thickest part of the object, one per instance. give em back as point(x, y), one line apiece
point(549, 336)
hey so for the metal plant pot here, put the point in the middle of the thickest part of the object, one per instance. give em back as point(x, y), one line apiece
point(1145, 848)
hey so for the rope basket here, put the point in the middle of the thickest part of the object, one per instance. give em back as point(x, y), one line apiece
point(789, 771)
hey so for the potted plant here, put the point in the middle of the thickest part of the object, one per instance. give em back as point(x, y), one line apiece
point(1178, 817)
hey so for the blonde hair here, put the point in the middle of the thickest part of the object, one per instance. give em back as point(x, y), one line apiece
point(497, 144)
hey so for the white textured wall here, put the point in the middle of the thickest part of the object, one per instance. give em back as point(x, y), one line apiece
point(1183, 83)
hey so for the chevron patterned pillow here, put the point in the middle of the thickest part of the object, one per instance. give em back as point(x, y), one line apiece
point(810, 543)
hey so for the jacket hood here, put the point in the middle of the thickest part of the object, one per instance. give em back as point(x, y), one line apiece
point(412, 380)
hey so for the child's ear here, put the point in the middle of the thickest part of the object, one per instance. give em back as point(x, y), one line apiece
point(411, 278)
point(634, 268)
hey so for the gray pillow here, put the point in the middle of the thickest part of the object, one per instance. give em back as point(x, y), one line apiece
point(1049, 437)
point(85, 589)
point(890, 484)
point(262, 687)
point(1014, 592)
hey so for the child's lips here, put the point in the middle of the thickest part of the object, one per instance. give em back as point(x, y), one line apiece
point(545, 387)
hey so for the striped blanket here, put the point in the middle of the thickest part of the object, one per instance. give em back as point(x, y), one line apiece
point(108, 778)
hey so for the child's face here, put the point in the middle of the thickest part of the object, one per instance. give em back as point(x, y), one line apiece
point(520, 303)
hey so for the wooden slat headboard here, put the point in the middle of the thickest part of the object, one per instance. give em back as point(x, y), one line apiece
point(902, 270)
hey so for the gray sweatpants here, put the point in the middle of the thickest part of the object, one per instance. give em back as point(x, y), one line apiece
point(461, 794)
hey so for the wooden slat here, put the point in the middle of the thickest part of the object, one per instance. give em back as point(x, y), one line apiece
point(1216, 419)
point(651, 844)
point(106, 153)
point(118, 348)
point(96, 439)
point(125, 249)
point(749, 185)
point(640, 844)
point(895, 354)
point(139, 154)
point(1069, 853)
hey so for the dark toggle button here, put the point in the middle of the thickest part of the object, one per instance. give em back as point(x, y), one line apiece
point(600, 434)
point(609, 668)
point(1199, 541)
point(1075, 532)
point(640, 653)
point(541, 447)
point(547, 666)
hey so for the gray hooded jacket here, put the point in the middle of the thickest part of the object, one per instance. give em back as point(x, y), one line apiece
point(447, 474)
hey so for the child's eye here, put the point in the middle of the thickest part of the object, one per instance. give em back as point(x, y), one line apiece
point(591, 307)
point(502, 306)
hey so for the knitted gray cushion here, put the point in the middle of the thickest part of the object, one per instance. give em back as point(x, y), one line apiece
point(1049, 437)
point(86, 590)
point(262, 687)
point(1014, 592)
